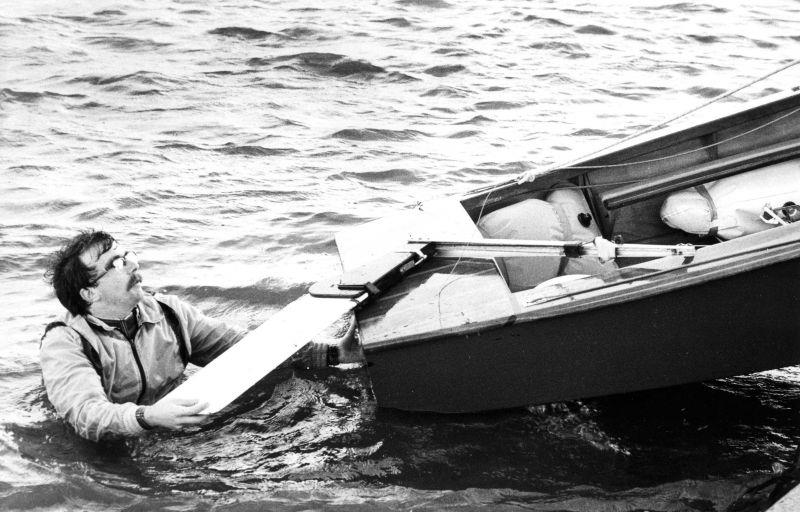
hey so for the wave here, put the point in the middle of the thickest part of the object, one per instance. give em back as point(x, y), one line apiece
point(690, 7)
point(452, 52)
point(266, 292)
point(434, 4)
point(353, 67)
point(549, 21)
point(31, 168)
point(370, 134)
point(397, 22)
point(498, 105)
point(464, 134)
point(400, 78)
point(126, 43)
point(447, 92)
point(317, 219)
point(12, 96)
point(590, 132)
point(706, 92)
point(479, 120)
point(401, 176)
point(704, 39)
point(138, 78)
point(232, 149)
point(243, 33)
point(125, 156)
point(557, 45)
point(325, 63)
point(594, 30)
point(298, 32)
point(88, 105)
point(445, 70)
point(494, 169)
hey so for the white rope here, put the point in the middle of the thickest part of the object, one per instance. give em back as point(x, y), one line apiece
point(529, 176)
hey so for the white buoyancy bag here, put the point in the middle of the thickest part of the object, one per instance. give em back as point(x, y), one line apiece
point(734, 206)
point(563, 216)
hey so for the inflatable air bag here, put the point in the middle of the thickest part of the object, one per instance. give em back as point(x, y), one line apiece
point(576, 217)
point(531, 219)
point(534, 219)
point(732, 207)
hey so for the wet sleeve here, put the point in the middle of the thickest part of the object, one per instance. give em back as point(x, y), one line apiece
point(208, 336)
point(75, 390)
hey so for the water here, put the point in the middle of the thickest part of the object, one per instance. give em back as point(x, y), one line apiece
point(227, 141)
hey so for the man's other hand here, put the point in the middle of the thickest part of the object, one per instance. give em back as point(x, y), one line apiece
point(176, 414)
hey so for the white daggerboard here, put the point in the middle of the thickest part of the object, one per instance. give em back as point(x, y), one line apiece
point(261, 351)
point(788, 503)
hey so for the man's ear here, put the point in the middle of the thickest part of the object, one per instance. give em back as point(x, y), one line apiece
point(89, 294)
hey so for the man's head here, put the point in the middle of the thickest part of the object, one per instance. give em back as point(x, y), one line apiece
point(91, 274)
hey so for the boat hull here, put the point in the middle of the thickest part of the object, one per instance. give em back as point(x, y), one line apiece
point(734, 325)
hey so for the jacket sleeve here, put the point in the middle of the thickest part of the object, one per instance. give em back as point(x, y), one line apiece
point(208, 336)
point(75, 390)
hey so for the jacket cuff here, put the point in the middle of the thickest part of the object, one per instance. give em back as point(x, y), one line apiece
point(131, 423)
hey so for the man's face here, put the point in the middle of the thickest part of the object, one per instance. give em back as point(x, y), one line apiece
point(115, 276)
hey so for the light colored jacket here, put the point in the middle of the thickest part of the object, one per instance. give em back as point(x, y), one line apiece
point(97, 407)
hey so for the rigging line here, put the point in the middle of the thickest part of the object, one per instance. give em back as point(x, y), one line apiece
point(458, 261)
point(690, 151)
point(480, 215)
point(684, 114)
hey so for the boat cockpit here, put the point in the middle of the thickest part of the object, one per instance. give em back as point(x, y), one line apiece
point(729, 180)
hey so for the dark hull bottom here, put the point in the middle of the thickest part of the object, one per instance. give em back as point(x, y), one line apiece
point(733, 326)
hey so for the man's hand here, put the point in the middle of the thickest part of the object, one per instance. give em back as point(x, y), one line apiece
point(349, 348)
point(175, 414)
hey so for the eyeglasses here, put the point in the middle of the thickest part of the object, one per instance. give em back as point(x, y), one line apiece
point(118, 263)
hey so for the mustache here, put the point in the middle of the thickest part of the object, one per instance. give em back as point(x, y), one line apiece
point(135, 279)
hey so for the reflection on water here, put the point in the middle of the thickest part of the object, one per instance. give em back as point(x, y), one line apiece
point(227, 142)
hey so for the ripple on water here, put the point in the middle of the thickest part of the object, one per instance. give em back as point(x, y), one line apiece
point(244, 33)
point(267, 292)
point(126, 43)
point(445, 70)
point(463, 134)
point(12, 96)
point(374, 134)
point(446, 92)
point(401, 176)
point(247, 150)
point(325, 63)
point(397, 22)
point(478, 120)
point(594, 30)
point(706, 92)
point(547, 21)
point(498, 105)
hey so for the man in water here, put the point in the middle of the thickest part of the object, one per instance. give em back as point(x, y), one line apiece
point(120, 349)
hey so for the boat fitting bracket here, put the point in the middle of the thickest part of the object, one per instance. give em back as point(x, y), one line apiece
point(373, 277)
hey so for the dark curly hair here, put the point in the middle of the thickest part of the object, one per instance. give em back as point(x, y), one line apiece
point(67, 273)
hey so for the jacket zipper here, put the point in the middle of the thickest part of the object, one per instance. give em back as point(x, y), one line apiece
point(131, 341)
point(141, 371)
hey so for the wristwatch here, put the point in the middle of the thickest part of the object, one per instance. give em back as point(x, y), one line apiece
point(140, 418)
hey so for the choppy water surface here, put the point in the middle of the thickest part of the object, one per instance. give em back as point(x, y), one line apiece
point(228, 141)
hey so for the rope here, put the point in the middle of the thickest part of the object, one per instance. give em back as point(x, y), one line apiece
point(703, 148)
point(528, 176)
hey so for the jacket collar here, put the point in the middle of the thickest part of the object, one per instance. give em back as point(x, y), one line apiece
point(149, 312)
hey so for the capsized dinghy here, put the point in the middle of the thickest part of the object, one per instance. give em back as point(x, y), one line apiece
point(504, 312)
